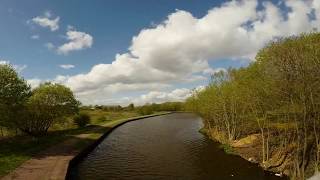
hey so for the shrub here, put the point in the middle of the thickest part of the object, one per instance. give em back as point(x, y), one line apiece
point(145, 110)
point(48, 104)
point(102, 119)
point(81, 120)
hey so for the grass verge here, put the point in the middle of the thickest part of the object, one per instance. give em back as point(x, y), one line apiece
point(16, 150)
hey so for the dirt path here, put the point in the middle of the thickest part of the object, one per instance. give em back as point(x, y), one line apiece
point(50, 164)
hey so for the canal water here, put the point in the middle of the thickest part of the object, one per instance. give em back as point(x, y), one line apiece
point(164, 147)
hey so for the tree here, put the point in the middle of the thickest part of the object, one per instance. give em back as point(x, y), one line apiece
point(48, 103)
point(278, 95)
point(14, 92)
point(293, 63)
point(145, 109)
point(130, 107)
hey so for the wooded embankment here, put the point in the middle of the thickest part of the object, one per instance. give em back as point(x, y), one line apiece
point(272, 107)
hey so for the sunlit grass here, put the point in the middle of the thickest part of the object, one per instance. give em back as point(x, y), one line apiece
point(16, 150)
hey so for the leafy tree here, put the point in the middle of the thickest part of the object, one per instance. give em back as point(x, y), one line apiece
point(14, 92)
point(278, 95)
point(48, 103)
point(82, 119)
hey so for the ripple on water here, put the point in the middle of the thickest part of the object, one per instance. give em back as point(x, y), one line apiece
point(164, 147)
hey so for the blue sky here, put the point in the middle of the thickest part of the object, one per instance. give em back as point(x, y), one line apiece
point(112, 23)
point(165, 48)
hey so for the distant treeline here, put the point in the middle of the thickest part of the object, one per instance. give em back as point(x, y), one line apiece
point(34, 111)
point(278, 96)
point(143, 110)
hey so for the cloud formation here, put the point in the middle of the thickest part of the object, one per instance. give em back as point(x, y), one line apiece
point(154, 96)
point(67, 66)
point(179, 48)
point(47, 21)
point(35, 36)
point(17, 67)
point(4, 62)
point(176, 95)
point(35, 82)
point(77, 41)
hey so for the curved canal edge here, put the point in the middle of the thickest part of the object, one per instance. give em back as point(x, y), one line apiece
point(83, 153)
point(164, 147)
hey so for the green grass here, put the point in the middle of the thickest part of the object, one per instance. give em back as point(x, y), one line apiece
point(16, 150)
point(203, 131)
point(227, 148)
point(100, 116)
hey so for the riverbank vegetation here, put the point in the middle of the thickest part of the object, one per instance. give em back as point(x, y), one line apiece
point(276, 99)
point(32, 112)
point(17, 147)
point(32, 120)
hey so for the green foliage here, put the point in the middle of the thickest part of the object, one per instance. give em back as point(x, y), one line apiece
point(167, 106)
point(227, 148)
point(109, 108)
point(130, 107)
point(14, 92)
point(97, 115)
point(48, 103)
point(102, 119)
point(145, 110)
point(15, 151)
point(81, 120)
point(279, 94)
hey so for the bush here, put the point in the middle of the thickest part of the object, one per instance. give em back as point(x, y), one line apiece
point(81, 120)
point(102, 119)
point(49, 103)
point(145, 110)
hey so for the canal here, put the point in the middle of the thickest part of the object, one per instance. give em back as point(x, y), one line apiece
point(164, 147)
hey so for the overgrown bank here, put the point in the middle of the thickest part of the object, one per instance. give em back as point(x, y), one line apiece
point(269, 111)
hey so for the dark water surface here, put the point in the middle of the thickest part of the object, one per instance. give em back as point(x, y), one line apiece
point(164, 147)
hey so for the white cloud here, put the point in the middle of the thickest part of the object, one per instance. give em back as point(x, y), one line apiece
point(4, 62)
point(20, 68)
point(34, 82)
point(104, 94)
point(211, 71)
point(199, 88)
point(49, 45)
point(17, 67)
point(176, 95)
point(47, 20)
point(67, 66)
point(77, 41)
point(154, 96)
point(178, 49)
point(35, 36)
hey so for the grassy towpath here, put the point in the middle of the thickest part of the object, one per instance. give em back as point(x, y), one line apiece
point(48, 157)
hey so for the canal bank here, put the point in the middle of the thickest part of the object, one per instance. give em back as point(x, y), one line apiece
point(250, 149)
point(83, 153)
point(164, 147)
point(53, 162)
